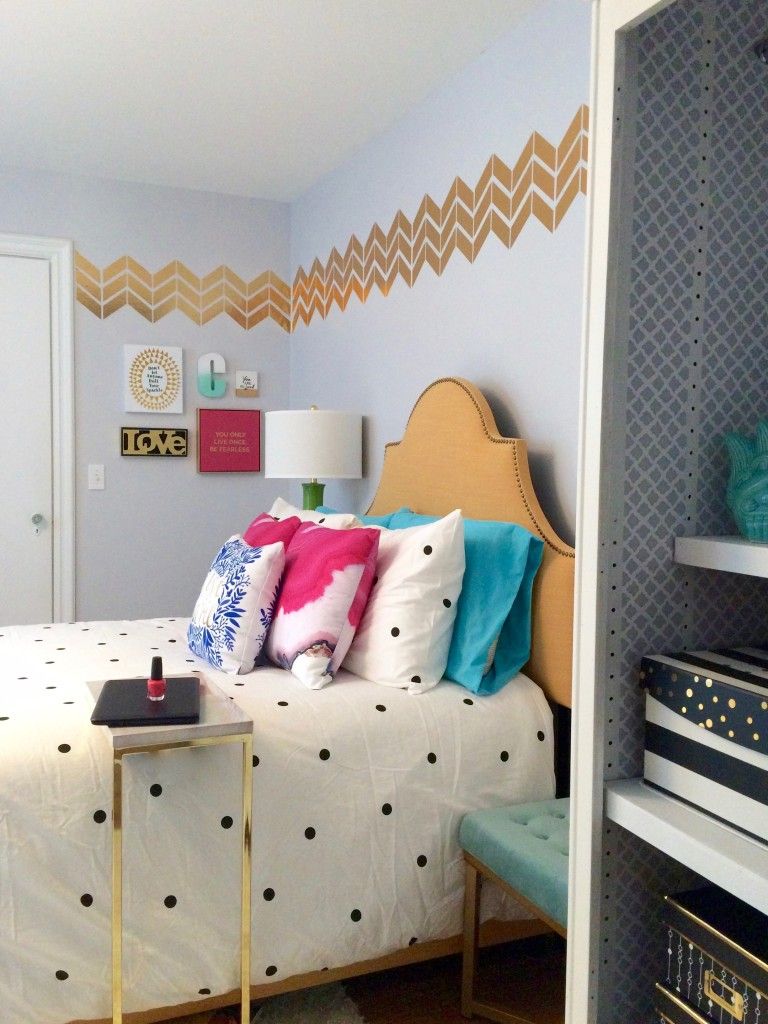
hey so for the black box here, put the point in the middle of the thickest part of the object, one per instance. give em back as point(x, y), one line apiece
point(716, 959)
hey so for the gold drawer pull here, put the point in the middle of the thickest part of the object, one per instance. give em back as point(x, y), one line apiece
point(723, 995)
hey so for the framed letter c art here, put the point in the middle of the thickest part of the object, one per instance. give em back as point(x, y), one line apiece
point(228, 440)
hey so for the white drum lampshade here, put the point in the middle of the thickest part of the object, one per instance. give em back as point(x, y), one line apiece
point(313, 444)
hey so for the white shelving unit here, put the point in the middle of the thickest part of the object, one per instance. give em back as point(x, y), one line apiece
point(729, 554)
point(671, 363)
point(727, 857)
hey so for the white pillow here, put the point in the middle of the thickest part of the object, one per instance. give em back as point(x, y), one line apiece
point(404, 635)
point(234, 610)
point(334, 521)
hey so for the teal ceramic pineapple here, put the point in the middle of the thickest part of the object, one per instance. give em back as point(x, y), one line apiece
point(747, 491)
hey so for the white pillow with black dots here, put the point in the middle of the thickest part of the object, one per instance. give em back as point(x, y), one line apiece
point(405, 632)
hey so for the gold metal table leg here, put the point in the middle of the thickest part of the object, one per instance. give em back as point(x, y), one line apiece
point(245, 920)
point(117, 866)
point(117, 887)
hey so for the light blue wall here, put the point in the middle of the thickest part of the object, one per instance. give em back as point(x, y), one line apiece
point(511, 321)
point(144, 544)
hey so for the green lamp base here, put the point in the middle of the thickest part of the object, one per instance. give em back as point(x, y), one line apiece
point(313, 494)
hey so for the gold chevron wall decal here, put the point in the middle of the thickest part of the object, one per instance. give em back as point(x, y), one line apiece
point(543, 184)
point(126, 283)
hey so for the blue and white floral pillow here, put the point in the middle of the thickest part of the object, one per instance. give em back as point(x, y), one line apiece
point(234, 610)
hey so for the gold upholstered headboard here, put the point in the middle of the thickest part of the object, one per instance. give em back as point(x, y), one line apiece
point(452, 456)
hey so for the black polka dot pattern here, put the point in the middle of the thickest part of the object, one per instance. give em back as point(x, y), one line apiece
point(162, 788)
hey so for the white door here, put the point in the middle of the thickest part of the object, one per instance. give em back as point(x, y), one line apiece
point(26, 486)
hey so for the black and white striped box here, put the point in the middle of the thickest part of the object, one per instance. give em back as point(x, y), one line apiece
point(706, 736)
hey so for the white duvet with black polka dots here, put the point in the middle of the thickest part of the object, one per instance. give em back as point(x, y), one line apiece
point(357, 796)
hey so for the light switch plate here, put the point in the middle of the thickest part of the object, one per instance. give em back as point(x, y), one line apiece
point(95, 476)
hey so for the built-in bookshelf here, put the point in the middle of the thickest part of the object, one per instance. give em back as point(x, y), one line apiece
point(675, 360)
point(711, 848)
point(729, 554)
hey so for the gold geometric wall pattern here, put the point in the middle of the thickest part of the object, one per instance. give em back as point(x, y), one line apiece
point(126, 283)
point(543, 183)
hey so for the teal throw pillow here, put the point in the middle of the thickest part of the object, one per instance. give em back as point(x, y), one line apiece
point(365, 520)
point(494, 607)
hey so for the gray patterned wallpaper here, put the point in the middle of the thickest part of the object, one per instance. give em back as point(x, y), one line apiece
point(693, 340)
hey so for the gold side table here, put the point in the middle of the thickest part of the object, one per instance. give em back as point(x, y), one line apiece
point(221, 721)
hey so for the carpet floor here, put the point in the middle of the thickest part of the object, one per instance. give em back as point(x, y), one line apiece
point(527, 977)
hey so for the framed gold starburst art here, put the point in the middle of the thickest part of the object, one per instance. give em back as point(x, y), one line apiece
point(154, 380)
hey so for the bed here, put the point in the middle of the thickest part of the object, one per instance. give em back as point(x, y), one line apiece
point(358, 789)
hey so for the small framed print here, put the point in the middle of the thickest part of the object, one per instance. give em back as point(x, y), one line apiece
point(154, 379)
point(228, 440)
point(246, 384)
point(161, 441)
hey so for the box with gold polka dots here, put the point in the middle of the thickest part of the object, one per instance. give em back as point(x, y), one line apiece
point(706, 732)
point(715, 960)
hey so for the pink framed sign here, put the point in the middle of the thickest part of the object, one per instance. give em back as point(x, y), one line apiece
point(228, 440)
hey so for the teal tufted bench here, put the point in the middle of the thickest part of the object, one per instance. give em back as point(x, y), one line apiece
point(523, 849)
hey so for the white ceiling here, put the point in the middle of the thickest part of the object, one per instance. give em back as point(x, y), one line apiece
point(250, 97)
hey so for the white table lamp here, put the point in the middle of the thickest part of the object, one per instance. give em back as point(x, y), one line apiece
point(308, 444)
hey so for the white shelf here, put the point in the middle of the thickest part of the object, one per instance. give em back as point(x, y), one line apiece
point(712, 849)
point(730, 554)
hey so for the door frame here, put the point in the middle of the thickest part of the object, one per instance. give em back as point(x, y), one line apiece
point(611, 22)
point(59, 253)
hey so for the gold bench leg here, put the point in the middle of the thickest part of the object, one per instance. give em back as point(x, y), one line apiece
point(472, 890)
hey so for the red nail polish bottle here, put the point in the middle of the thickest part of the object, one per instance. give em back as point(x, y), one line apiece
point(156, 682)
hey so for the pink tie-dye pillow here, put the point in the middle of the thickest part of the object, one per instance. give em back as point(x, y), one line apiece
point(265, 529)
point(327, 579)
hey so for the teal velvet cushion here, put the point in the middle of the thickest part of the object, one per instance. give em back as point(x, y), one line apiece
point(365, 520)
point(527, 846)
point(495, 602)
